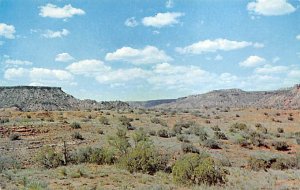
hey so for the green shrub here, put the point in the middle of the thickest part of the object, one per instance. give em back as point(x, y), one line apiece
point(185, 124)
point(4, 120)
point(280, 130)
point(258, 125)
point(189, 148)
point(257, 164)
point(75, 125)
point(177, 129)
point(143, 158)
point(77, 173)
point(82, 155)
point(171, 134)
point(36, 185)
point(183, 138)
point(198, 169)
point(94, 155)
point(242, 142)
point(238, 127)
point(257, 139)
point(202, 135)
point(140, 135)
point(77, 135)
point(14, 137)
point(103, 120)
point(263, 130)
point(220, 135)
point(212, 144)
point(265, 161)
point(119, 141)
point(7, 162)
point(125, 120)
point(152, 133)
point(163, 133)
point(281, 145)
point(49, 158)
point(216, 128)
point(101, 132)
point(284, 163)
point(156, 120)
point(196, 130)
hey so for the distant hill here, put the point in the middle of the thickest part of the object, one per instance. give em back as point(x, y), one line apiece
point(288, 98)
point(150, 103)
point(33, 98)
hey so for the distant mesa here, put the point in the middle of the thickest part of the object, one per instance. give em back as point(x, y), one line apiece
point(34, 98)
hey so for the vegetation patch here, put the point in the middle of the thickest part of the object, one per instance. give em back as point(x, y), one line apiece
point(198, 169)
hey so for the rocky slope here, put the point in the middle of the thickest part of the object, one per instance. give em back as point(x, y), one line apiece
point(285, 99)
point(33, 98)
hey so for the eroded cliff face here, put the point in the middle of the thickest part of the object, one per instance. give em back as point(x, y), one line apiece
point(33, 98)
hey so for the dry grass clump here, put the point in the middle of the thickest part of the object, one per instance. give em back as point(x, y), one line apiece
point(75, 125)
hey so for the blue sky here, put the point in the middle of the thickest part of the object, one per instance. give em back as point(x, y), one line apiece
point(141, 50)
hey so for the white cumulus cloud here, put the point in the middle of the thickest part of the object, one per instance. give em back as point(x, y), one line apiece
point(55, 34)
point(40, 75)
point(170, 76)
point(15, 73)
point(270, 7)
point(252, 61)
point(64, 57)
point(162, 19)
point(213, 46)
point(147, 55)
point(88, 67)
point(121, 75)
point(298, 37)
point(54, 11)
point(7, 31)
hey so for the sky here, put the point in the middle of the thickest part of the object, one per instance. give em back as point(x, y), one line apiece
point(146, 49)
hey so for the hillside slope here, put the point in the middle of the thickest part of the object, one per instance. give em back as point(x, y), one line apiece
point(286, 99)
point(33, 98)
